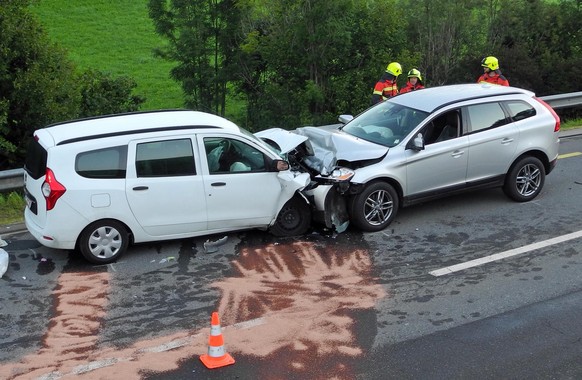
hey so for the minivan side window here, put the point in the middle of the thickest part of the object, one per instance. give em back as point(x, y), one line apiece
point(520, 110)
point(486, 116)
point(226, 155)
point(102, 163)
point(165, 158)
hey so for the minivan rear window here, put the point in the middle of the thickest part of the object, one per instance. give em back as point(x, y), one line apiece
point(102, 163)
point(35, 163)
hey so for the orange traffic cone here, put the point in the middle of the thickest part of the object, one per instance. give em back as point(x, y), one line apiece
point(217, 355)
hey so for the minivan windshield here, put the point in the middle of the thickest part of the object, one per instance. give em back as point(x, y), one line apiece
point(385, 124)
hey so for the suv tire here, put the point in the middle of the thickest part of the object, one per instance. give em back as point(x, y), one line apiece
point(104, 241)
point(375, 207)
point(525, 179)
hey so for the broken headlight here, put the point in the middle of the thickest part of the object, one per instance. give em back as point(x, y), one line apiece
point(338, 174)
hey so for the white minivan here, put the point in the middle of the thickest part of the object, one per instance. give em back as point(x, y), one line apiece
point(100, 184)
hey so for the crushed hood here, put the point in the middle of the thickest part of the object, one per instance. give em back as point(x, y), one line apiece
point(325, 145)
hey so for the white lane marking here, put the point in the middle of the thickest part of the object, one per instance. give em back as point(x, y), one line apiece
point(503, 255)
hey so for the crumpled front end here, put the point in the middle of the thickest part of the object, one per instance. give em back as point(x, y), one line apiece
point(326, 154)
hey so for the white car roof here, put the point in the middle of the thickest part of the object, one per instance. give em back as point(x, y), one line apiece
point(431, 98)
point(128, 123)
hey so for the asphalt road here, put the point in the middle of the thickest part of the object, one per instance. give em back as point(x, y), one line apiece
point(347, 306)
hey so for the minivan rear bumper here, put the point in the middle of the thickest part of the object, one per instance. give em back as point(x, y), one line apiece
point(45, 235)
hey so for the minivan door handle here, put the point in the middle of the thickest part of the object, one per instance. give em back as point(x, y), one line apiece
point(218, 184)
point(139, 188)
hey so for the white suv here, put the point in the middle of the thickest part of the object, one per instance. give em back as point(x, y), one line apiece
point(100, 184)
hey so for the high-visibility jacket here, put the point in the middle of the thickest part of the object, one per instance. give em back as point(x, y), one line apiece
point(498, 78)
point(409, 87)
point(385, 88)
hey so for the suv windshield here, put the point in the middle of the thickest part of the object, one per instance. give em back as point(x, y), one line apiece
point(385, 124)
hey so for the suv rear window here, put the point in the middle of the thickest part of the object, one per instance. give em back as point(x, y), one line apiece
point(102, 163)
point(520, 110)
point(35, 164)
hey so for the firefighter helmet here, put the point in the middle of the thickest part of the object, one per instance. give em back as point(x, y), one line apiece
point(414, 73)
point(490, 62)
point(394, 68)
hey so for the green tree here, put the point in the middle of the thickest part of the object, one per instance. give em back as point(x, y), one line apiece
point(200, 35)
point(37, 82)
point(539, 44)
point(101, 94)
point(444, 33)
point(311, 60)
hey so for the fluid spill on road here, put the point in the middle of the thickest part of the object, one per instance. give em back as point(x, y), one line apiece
point(293, 300)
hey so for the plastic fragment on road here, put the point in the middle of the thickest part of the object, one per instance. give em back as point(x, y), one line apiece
point(3, 242)
point(212, 246)
point(3, 262)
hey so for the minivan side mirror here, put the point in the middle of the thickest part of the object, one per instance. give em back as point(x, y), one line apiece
point(280, 165)
point(344, 119)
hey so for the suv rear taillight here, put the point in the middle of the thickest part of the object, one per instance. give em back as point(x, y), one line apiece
point(51, 189)
point(554, 114)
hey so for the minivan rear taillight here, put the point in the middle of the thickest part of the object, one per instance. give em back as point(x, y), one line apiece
point(51, 189)
point(554, 114)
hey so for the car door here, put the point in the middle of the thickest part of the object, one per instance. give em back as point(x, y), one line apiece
point(442, 164)
point(493, 140)
point(164, 187)
point(241, 192)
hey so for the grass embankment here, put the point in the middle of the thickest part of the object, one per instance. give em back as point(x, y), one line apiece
point(115, 37)
point(11, 208)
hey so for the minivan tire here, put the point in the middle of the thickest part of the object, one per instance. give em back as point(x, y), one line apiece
point(104, 241)
point(525, 179)
point(375, 207)
point(294, 218)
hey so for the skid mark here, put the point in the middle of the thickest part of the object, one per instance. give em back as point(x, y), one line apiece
point(289, 299)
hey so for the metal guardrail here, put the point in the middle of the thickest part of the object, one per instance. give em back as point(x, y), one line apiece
point(14, 179)
point(571, 99)
point(11, 179)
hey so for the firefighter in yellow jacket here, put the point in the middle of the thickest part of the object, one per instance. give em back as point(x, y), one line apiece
point(386, 87)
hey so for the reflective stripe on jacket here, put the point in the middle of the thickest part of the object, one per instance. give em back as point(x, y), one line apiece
point(385, 88)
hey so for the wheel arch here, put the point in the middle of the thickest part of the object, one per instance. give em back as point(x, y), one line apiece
point(540, 155)
point(389, 180)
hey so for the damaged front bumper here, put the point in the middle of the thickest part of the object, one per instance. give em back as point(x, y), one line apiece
point(330, 207)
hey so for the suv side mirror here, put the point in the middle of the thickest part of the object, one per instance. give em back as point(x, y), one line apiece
point(344, 119)
point(417, 143)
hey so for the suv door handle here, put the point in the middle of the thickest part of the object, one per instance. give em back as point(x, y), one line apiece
point(139, 188)
point(457, 153)
point(218, 184)
point(506, 140)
